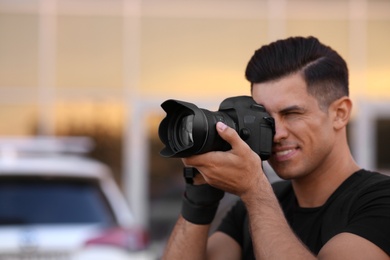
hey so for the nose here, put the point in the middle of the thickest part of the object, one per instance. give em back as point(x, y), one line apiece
point(281, 131)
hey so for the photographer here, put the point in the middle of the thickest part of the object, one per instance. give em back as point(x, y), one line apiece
point(327, 208)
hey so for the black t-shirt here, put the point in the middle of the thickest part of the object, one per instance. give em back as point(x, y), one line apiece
point(361, 205)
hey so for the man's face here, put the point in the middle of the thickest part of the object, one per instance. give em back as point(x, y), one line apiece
point(304, 134)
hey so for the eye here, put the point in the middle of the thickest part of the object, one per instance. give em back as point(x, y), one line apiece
point(292, 113)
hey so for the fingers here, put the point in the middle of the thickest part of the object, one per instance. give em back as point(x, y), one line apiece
point(214, 159)
point(228, 134)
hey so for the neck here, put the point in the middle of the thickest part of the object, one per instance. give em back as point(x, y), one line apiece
point(315, 189)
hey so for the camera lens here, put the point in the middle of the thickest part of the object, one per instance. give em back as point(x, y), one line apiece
point(189, 130)
point(185, 130)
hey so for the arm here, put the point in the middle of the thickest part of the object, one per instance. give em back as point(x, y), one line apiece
point(187, 241)
point(190, 241)
point(239, 171)
point(350, 246)
point(271, 235)
point(273, 238)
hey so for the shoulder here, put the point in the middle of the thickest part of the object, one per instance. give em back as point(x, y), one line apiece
point(372, 176)
point(364, 181)
point(370, 190)
point(361, 189)
point(362, 207)
point(369, 183)
point(377, 180)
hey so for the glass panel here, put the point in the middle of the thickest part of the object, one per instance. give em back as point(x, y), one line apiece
point(102, 121)
point(18, 50)
point(166, 184)
point(378, 56)
point(89, 52)
point(383, 144)
point(89, 115)
point(18, 119)
point(333, 33)
point(198, 57)
point(50, 201)
point(19, 5)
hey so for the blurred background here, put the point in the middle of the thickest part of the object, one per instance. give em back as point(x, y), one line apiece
point(101, 68)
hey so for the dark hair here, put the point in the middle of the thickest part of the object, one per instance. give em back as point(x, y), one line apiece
point(323, 69)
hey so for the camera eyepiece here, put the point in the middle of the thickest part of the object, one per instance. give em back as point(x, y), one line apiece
point(188, 130)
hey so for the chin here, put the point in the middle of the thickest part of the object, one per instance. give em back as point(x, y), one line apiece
point(287, 173)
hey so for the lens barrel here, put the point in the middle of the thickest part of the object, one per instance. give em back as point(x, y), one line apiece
point(189, 130)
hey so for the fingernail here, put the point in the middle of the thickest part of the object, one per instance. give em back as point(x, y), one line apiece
point(221, 126)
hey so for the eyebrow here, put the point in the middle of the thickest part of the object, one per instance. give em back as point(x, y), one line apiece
point(292, 108)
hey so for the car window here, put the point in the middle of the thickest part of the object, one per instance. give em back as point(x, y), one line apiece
point(52, 201)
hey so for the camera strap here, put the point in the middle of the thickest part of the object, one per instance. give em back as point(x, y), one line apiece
point(189, 174)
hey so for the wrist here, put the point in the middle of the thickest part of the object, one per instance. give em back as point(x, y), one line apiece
point(197, 214)
point(257, 189)
point(200, 203)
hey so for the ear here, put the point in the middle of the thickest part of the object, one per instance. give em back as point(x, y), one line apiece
point(341, 110)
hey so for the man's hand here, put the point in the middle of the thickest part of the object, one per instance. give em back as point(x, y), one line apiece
point(236, 171)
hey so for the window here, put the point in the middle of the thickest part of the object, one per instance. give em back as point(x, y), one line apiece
point(52, 201)
point(383, 143)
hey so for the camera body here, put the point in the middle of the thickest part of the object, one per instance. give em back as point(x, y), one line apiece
point(188, 130)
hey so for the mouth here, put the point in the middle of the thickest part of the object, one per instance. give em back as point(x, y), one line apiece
point(284, 154)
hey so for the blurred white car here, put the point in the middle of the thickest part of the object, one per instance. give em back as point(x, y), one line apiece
point(61, 206)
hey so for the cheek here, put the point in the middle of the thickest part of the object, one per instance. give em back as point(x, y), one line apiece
point(310, 130)
point(319, 134)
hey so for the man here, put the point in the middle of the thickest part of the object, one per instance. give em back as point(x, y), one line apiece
point(329, 209)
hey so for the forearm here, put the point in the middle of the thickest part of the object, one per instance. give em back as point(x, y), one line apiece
point(187, 241)
point(271, 235)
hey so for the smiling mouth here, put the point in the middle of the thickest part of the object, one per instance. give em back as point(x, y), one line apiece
point(283, 153)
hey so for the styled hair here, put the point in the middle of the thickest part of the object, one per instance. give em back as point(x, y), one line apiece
point(323, 69)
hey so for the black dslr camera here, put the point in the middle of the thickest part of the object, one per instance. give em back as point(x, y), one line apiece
point(188, 130)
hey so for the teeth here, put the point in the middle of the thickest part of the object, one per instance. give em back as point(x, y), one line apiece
point(284, 152)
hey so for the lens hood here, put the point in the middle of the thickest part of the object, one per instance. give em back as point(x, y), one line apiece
point(170, 132)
